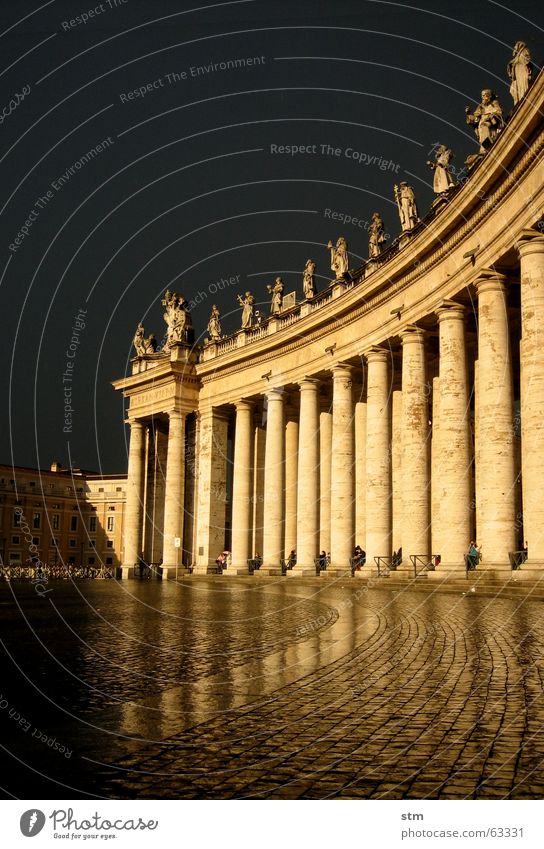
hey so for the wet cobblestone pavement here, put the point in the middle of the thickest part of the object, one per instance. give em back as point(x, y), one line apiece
point(274, 689)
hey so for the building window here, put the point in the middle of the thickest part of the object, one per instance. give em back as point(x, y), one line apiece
point(71, 560)
point(109, 561)
point(111, 508)
point(35, 540)
point(118, 488)
point(72, 543)
point(111, 523)
point(17, 518)
point(56, 506)
point(109, 543)
point(54, 542)
point(55, 521)
point(92, 543)
point(37, 521)
point(101, 489)
point(73, 523)
point(14, 558)
point(90, 561)
point(92, 524)
point(16, 540)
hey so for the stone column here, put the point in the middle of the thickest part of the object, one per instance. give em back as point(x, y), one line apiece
point(378, 460)
point(242, 507)
point(156, 474)
point(175, 493)
point(342, 473)
point(212, 489)
point(360, 473)
point(496, 532)
point(416, 491)
point(291, 478)
point(453, 462)
point(531, 251)
point(134, 509)
point(325, 439)
point(435, 470)
point(274, 482)
point(308, 480)
point(396, 469)
point(258, 489)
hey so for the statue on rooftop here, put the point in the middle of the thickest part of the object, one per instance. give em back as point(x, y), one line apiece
point(277, 296)
point(177, 318)
point(376, 236)
point(308, 281)
point(519, 71)
point(339, 257)
point(406, 202)
point(487, 119)
point(443, 181)
point(246, 303)
point(139, 341)
point(214, 325)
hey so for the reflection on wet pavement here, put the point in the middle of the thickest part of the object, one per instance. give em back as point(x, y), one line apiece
point(279, 689)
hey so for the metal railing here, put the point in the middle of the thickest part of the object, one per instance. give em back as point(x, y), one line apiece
point(517, 558)
point(423, 563)
point(385, 565)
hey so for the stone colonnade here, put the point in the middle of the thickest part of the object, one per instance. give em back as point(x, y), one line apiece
point(433, 462)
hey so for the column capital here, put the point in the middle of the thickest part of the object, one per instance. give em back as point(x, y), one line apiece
point(243, 404)
point(490, 281)
point(341, 370)
point(216, 413)
point(135, 424)
point(376, 355)
point(529, 242)
point(412, 333)
point(275, 394)
point(450, 310)
point(309, 384)
point(176, 414)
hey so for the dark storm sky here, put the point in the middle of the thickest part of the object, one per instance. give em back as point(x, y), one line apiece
point(188, 191)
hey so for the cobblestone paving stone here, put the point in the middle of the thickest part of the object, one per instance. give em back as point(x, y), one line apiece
point(443, 700)
point(428, 694)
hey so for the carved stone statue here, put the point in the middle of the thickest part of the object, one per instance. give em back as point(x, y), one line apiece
point(308, 281)
point(376, 236)
point(519, 71)
point(144, 346)
point(406, 202)
point(150, 344)
point(277, 296)
point(339, 257)
point(139, 341)
point(487, 119)
point(214, 325)
point(177, 318)
point(443, 181)
point(247, 309)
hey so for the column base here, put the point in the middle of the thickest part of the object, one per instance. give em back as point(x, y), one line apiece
point(531, 570)
point(205, 569)
point(301, 572)
point(335, 573)
point(498, 571)
point(448, 572)
point(236, 570)
point(269, 570)
point(126, 572)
